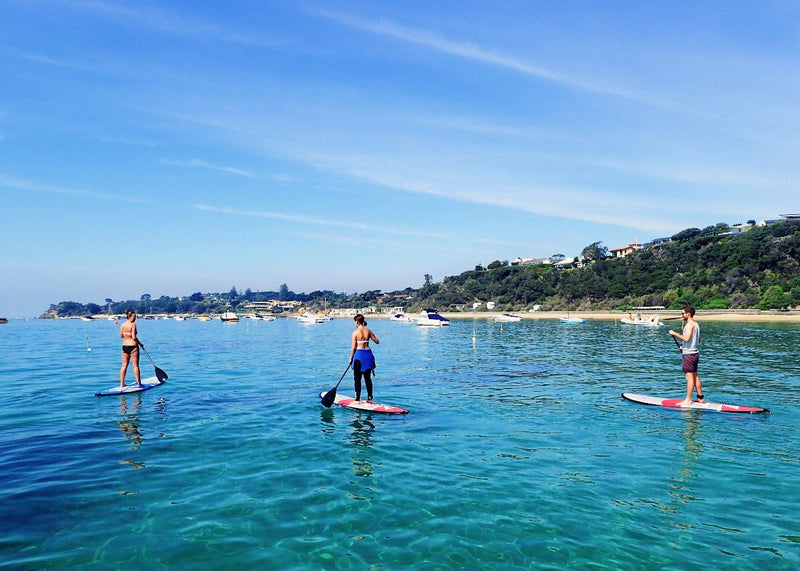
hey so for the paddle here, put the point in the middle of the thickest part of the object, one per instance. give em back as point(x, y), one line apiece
point(160, 374)
point(329, 397)
point(680, 350)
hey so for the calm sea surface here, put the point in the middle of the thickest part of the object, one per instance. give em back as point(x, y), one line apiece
point(518, 452)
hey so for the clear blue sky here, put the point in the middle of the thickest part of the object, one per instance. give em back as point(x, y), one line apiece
point(171, 147)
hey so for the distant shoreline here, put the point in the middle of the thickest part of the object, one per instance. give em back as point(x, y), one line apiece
point(742, 315)
point(749, 315)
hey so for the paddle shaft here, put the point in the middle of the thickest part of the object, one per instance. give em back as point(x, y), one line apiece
point(680, 350)
point(329, 397)
point(160, 374)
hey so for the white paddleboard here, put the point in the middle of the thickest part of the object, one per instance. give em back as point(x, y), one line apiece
point(350, 402)
point(674, 403)
point(131, 387)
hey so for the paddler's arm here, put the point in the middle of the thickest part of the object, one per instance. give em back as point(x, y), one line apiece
point(683, 337)
point(352, 348)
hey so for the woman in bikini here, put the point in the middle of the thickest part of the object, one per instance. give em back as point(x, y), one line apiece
point(361, 356)
point(130, 348)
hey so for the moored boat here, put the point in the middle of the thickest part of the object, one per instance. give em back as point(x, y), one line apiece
point(229, 317)
point(401, 318)
point(507, 317)
point(652, 321)
point(430, 318)
point(309, 317)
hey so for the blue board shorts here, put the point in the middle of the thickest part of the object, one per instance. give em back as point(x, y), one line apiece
point(366, 357)
point(690, 362)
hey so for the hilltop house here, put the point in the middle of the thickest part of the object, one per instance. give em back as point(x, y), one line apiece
point(625, 250)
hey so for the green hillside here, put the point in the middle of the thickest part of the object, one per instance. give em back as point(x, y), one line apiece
point(710, 269)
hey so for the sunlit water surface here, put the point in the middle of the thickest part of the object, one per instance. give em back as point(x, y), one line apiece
point(518, 452)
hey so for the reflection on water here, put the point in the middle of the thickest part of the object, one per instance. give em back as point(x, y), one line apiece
point(681, 485)
point(326, 419)
point(129, 421)
point(362, 438)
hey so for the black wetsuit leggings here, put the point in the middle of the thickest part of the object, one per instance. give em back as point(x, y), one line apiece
point(357, 373)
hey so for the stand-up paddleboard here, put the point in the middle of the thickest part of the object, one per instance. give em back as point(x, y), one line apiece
point(673, 403)
point(131, 387)
point(349, 402)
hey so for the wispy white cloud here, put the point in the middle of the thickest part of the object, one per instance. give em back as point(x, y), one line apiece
point(298, 219)
point(430, 238)
point(24, 185)
point(40, 59)
point(474, 52)
point(170, 22)
point(197, 163)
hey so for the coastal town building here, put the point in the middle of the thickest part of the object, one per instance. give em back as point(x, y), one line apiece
point(625, 250)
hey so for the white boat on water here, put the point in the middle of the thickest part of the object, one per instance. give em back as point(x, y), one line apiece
point(652, 321)
point(429, 318)
point(260, 317)
point(229, 317)
point(507, 318)
point(571, 320)
point(401, 318)
point(309, 317)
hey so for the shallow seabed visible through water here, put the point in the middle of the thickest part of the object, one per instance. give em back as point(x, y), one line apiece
point(518, 452)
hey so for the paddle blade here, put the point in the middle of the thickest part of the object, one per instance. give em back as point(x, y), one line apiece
point(161, 375)
point(330, 396)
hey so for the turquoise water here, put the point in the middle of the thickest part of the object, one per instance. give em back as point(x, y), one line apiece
point(518, 452)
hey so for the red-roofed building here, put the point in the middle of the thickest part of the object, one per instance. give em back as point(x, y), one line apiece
point(624, 251)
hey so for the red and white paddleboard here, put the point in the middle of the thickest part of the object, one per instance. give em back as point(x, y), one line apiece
point(673, 403)
point(349, 402)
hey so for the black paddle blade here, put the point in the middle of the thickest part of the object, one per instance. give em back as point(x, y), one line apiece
point(161, 375)
point(329, 397)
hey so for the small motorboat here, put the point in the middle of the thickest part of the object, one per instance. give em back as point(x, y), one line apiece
point(507, 318)
point(401, 318)
point(430, 318)
point(309, 317)
point(652, 321)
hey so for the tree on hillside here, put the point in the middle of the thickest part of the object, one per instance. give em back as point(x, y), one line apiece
point(687, 234)
point(594, 252)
